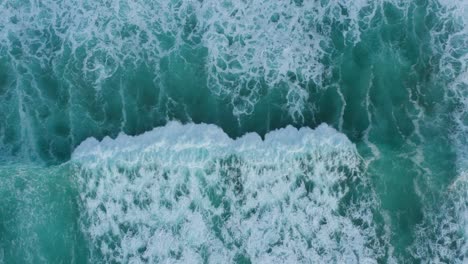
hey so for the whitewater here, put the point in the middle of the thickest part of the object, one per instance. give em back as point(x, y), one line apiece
point(234, 131)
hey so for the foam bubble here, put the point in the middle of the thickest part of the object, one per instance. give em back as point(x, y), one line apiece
point(190, 193)
point(278, 44)
point(442, 237)
point(453, 227)
point(250, 43)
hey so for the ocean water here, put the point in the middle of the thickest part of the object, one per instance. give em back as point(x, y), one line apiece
point(233, 131)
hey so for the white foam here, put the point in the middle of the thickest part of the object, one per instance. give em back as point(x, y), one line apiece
point(454, 69)
point(277, 43)
point(190, 193)
point(250, 43)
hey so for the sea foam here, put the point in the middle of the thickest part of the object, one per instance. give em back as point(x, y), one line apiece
point(190, 194)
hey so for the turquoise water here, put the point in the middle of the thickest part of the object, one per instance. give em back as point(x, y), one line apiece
point(180, 131)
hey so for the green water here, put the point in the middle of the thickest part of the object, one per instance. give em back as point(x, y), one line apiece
point(389, 75)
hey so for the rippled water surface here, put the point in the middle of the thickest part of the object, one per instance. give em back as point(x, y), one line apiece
point(234, 131)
